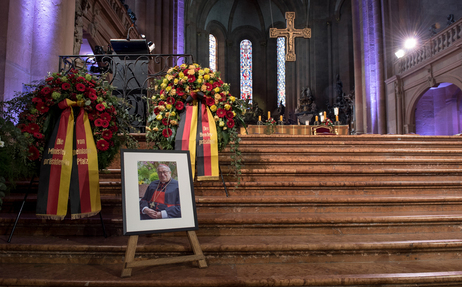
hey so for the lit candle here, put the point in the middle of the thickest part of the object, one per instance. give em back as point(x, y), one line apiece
point(280, 118)
point(259, 118)
point(325, 115)
point(336, 111)
point(336, 118)
point(316, 118)
point(269, 114)
point(307, 123)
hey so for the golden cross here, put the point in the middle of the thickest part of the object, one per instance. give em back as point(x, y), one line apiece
point(290, 33)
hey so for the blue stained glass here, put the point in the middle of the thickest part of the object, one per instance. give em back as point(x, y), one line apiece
point(281, 68)
point(246, 70)
point(212, 53)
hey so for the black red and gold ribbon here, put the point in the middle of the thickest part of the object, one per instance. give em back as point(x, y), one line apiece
point(69, 170)
point(197, 133)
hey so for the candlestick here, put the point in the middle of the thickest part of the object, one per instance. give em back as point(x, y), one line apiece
point(269, 114)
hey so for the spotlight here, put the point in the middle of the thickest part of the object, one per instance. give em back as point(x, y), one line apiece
point(400, 53)
point(143, 36)
point(410, 43)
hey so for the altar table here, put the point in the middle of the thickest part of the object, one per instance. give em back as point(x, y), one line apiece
point(295, 129)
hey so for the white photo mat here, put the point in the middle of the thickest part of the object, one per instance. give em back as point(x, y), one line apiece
point(132, 224)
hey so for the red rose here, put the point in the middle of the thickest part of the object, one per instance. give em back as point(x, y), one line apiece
point(92, 97)
point(49, 79)
point(229, 114)
point(156, 111)
point(102, 145)
point(221, 112)
point(107, 134)
point(167, 133)
point(165, 122)
point(209, 101)
point(100, 107)
point(80, 87)
point(38, 136)
point(209, 86)
point(34, 153)
point(114, 129)
point(161, 103)
point(80, 79)
point(170, 100)
point(161, 92)
point(36, 100)
point(91, 117)
point(191, 79)
point(104, 123)
point(66, 86)
point(42, 107)
point(179, 105)
point(216, 85)
point(230, 123)
point(98, 122)
point(105, 116)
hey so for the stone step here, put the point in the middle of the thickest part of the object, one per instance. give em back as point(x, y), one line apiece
point(279, 261)
point(253, 224)
point(311, 248)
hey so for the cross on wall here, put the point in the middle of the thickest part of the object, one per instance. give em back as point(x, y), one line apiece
point(290, 33)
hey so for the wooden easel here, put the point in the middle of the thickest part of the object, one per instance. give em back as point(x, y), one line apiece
point(130, 262)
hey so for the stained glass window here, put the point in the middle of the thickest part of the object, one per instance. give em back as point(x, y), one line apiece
point(281, 68)
point(246, 70)
point(212, 52)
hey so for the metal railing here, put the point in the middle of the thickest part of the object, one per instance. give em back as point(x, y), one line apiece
point(130, 75)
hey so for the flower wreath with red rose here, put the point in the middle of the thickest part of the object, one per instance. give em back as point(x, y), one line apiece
point(39, 113)
point(169, 99)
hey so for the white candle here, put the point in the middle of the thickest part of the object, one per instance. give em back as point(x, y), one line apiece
point(336, 111)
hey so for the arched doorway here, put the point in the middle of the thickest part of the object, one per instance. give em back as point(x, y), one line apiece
point(438, 111)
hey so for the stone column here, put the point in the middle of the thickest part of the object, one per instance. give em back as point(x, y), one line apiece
point(381, 110)
point(359, 116)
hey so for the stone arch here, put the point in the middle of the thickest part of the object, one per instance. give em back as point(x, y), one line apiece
point(410, 120)
point(219, 31)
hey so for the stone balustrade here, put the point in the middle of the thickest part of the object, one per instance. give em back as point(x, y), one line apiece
point(441, 43)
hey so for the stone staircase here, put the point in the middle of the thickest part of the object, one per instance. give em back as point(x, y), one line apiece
point(380, 210)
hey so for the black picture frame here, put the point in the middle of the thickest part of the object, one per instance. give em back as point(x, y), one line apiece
point(133, 165)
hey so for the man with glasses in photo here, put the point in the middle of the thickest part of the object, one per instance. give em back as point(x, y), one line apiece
point(162, 197)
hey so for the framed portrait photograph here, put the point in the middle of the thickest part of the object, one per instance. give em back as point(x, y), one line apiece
point(157, 192)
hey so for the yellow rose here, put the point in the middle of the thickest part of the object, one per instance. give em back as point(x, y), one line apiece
point(213, 108)
point(199, 81)
point(216, 102)
point(153, 97)
point(173, 114)
point(163, 85)
point(159, 117)
point(169, 77)
point(191, 72)
point(234, 113)
point(162, 97)
point(225, 128)
point(181, 75)
point(201, 72)
point(227, 107)
point(216, 118)
point(183, 66)
point(170, 71)
point(206, 70)
point(206, 77)
point(176, 81)
point(168, 106)
point(191, 67)
point(165, 81)
point(172, 92)
point(232, 99)
point(174, 122)
point(221, 123)
point(155, 129)
point(204, 88)
point(185, 78)
point(217, 90)
point(161, 108)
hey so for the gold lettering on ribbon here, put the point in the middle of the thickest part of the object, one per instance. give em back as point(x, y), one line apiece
point(59, 141)
point(205, 134)
point(81, 141)
point(205, 128)
point(82, 161)
point(56, 151)
point(55, 161)
point(202, 142)
point(81, 151)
